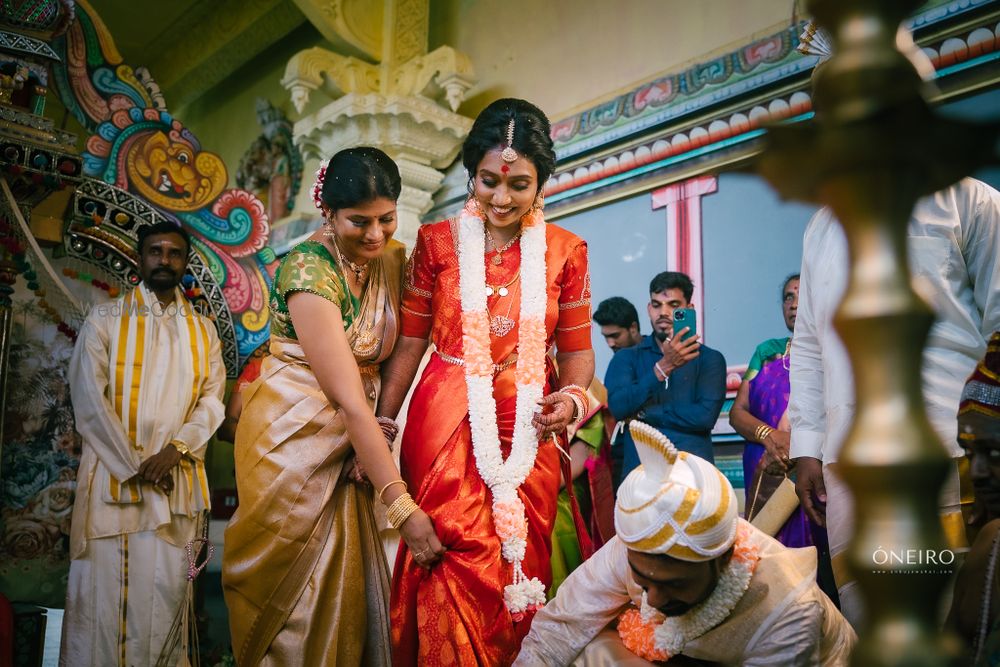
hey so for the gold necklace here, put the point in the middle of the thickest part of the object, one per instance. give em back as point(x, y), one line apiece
point(501, 325)
point(498, 259)
point(784, 357)
point(501, 290)
point(357, 269)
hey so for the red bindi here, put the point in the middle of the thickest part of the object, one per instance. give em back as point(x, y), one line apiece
point(504, 169)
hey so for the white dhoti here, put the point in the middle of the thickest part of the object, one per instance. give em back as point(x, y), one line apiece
point(141, 379)
point(138, 579)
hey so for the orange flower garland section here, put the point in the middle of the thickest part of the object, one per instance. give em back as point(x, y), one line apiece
point(505, 476)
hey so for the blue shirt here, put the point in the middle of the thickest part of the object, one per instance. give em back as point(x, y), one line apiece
point(685, 411)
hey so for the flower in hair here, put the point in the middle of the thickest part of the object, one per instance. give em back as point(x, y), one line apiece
point(317, 189)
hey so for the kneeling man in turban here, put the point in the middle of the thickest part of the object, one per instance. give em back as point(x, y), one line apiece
point(686, 580)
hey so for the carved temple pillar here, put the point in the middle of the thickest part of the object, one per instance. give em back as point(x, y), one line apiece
point(875, 148)
point(404, 103)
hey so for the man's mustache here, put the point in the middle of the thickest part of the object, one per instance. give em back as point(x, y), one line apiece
point(675, 610)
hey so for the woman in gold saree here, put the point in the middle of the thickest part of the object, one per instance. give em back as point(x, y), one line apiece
point(304, 574)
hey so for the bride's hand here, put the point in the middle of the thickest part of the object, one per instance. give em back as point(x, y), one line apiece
point(418, 533)
point(558, 417)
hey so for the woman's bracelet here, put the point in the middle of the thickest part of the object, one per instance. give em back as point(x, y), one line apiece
point(761, 433)
point(579, 397)
point(395, 481)
point(400, 510)
point(390, 429)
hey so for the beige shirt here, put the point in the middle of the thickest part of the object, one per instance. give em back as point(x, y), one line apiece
point(164, 397)
point(954, 246)
point(782, 619)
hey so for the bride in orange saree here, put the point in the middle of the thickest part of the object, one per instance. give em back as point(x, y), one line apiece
point(493, 290)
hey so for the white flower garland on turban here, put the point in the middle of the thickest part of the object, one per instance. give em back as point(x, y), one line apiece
point(675, 503)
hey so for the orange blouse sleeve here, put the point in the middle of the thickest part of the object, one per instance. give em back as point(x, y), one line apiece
point(573, 326)
point(418, 289)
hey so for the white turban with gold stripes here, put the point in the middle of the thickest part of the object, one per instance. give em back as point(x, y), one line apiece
point(675, 503)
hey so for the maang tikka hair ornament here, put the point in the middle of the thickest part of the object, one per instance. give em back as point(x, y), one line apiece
point(508, 154)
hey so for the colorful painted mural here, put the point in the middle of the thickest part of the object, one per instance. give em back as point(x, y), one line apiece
point(39, 458)
point(138, 146)
point(693, 116)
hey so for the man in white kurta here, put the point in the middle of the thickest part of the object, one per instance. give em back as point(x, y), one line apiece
point(674, 514)
point(954, 247)
point(146, 380)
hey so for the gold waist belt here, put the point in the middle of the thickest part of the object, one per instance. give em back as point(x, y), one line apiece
point(502, 366)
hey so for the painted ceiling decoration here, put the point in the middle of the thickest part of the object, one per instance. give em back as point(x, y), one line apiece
point(192, 46)
point(140, 149)
point(712, 115)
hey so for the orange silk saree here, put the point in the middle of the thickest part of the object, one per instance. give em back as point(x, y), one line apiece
point(454, 614)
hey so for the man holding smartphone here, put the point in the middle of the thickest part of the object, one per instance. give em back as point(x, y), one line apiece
point(669, 380)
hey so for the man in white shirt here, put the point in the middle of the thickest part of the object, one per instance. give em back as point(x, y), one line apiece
point(146, 380)
point(954, 247)
point(688, 580)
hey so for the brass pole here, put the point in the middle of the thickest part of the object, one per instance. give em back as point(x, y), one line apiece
point(874, 149)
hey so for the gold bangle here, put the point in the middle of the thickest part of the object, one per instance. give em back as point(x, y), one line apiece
point(400, 510)
point(181, 448)
point(395, 481)
point(762, 432)
point(398, 518)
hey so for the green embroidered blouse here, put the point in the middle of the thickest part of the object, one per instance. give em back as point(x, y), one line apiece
point(309, 267)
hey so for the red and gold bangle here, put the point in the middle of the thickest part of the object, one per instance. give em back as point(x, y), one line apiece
point(390, 429)
point(579, 397)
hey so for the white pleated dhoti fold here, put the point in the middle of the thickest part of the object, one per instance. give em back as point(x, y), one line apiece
point(138, 578)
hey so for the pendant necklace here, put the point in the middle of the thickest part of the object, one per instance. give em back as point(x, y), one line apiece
point(501, 290)
point(364, 342)
point(501, 325)
point(357, 269)
point(498, 259)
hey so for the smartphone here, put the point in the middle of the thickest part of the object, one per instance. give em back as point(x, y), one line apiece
point(685, 317)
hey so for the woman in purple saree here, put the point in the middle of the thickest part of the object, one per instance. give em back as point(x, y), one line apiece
point(759, 415)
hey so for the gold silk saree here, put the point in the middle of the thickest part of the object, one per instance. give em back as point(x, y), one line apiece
point(304, 572)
